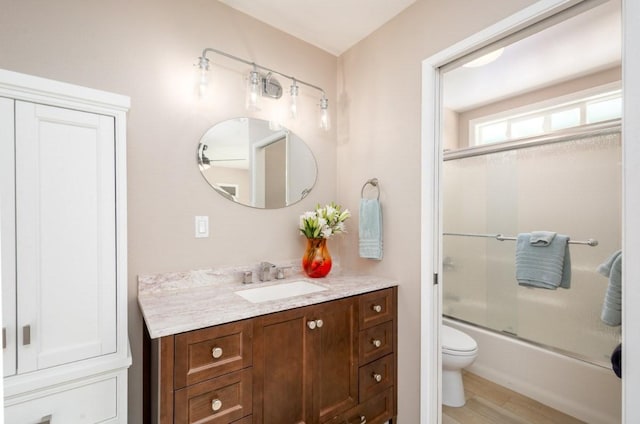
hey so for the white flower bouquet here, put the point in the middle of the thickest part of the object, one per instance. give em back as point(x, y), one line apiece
point(324, 221)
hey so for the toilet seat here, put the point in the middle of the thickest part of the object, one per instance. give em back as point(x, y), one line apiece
point(457, 343)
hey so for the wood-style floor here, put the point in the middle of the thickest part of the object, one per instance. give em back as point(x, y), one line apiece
point(489, 403)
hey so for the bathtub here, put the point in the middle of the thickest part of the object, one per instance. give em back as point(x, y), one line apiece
point(588, 392)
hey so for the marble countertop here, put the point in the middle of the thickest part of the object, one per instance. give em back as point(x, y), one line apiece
point(183, 301)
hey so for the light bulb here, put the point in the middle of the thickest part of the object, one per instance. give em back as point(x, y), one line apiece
point(324, 113)
point(293, 108)
point(254, 90)
point(203, 80)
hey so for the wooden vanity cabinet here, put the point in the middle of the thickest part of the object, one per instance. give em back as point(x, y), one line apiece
point(332, 362)
point(306, 363)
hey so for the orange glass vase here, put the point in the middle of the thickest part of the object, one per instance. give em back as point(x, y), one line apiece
point(316, 261)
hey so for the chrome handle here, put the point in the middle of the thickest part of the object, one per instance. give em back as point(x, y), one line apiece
point(319, 323)
point(4, 338)
point(216, 352)
point(377, 377)
point(46, 420)
point(363, 419)
point(26, 335)
point(377, 308)
point(376, 342)
point(216, 404)
point(311, 325)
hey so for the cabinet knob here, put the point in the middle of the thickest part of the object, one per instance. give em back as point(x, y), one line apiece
point(216, 352)
point(319, 323)
point(377, 377)
point(377, 308)
point(311, 325)
point(46, 420)
point(376, 342)
point(216, 404)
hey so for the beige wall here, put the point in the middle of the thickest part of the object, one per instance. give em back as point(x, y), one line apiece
point(145, 49)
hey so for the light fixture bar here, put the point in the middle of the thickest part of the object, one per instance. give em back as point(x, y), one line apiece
point(204, 61)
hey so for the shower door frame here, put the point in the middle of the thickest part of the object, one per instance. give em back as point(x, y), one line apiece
point(431, 231)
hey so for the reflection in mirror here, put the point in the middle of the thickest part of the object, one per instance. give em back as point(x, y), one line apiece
point(247, 162)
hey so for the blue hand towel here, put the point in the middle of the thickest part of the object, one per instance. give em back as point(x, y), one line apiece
point(612, 306)
point(370, 229)
point(544, 262)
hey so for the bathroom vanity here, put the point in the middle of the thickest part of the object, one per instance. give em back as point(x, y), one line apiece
point(328, 356)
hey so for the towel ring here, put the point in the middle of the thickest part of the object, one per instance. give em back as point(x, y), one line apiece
point(374, 183)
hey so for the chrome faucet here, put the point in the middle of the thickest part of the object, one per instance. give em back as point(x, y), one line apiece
point(265, 271)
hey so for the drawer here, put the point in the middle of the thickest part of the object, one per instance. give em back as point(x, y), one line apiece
point(377, 307)
point(212, 352)
point(245, 420)
point(376, 342)
point(377, 410)
point(376, 377)
point(92, 402)
point(221, 400)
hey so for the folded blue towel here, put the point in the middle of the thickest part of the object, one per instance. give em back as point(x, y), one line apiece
point(541, 238)
point(370, 229)
point(612, 306)
point(545, 264)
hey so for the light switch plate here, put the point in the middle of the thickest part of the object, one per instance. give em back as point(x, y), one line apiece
point(202, 226)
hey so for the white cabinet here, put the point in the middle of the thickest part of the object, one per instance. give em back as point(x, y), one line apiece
point(63, 247)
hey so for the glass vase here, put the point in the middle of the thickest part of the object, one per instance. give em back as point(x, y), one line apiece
point(316, 261)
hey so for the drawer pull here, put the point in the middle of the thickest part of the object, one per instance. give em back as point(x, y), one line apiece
point(216, 404)
point(377, 308)
point(46, 420)
point(377, 377)
point(376, 342)
point(319, 323)
point(216, 352)
point(311, 325)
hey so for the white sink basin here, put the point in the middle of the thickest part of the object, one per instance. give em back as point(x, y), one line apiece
point(280, 291)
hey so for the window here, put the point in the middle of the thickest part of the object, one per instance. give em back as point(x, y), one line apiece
point(559, 114)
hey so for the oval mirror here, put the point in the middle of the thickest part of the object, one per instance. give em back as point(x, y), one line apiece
point(247, 162)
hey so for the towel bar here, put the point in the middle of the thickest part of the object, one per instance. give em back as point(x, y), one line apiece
point(374, 183)
point(500, 237)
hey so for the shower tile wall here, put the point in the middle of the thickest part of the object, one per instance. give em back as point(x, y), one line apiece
point(572, 188)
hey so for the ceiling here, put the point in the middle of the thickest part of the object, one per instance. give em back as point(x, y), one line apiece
point(581, 45)
point(332, 25)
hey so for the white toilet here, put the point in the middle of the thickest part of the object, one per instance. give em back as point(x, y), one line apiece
point(459, 350)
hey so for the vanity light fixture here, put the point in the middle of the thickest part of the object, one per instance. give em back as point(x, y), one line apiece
point(265, 85)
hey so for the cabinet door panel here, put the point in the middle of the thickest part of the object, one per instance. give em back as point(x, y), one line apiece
point(282, 369)
point(66, 247)
point(7, 235)
point(337, 360)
